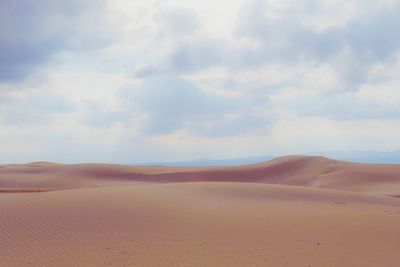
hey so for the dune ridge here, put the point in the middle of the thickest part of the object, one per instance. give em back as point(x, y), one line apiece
point(291, 170)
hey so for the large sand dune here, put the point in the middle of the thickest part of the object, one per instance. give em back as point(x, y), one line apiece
point(292, 211)
point(292, 170)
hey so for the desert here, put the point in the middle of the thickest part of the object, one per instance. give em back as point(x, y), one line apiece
point(291, 211)
point(195, 133)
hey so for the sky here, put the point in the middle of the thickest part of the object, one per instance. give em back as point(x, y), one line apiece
point(135, 81)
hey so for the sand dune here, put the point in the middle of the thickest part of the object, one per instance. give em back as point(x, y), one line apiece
point(292, 170)
point(292, 211)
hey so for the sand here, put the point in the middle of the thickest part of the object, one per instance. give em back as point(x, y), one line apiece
point(292, 211)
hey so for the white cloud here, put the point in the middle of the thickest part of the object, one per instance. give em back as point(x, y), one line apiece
point(198, 78)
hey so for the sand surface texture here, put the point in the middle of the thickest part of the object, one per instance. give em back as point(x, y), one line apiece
point(292, 211)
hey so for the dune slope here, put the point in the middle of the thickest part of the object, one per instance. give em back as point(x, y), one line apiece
point(199, 224)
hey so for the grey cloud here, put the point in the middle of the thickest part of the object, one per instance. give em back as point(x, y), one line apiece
point(190, 56)
point(197, 55)
point(376, 37)
point(165, 103)
point(343, 106)
point(178, 21)
point(352, 48)
point(147, 70)
point(34, 109)
point(240, 123)
point(32, 31)
point(98, 115)
point(172, 103)
point(370, 35)
point(191, 53)
point(373, 37)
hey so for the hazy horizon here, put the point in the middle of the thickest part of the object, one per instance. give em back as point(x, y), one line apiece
point(156, 81)
point(379, 157)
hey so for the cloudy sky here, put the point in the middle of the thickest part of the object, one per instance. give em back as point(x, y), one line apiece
point(133, 81)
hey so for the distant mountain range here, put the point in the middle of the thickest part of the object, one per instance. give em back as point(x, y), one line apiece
point(387, 157)
point(211, 162)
